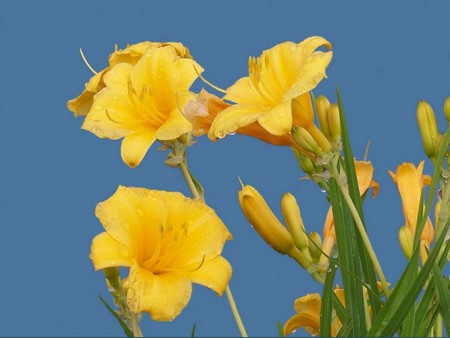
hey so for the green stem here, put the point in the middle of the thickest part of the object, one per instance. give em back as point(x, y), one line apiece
point(235, 312)
point(187, 176)
point(135, 325)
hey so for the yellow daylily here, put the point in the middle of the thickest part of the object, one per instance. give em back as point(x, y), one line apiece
point(141, 102)
point(364, 176)
point(169, 242)
point(206, 107)
point(410, 182)
point(276, 92)
point(308, 314)
point(81, 105)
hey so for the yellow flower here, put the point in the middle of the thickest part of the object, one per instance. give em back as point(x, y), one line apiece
point(308, 314)
point(364, 176)
point(141, 101)
point(168, 241)
point(276, 92)
point(202, 111)
point(410, 183)
point(81, 105)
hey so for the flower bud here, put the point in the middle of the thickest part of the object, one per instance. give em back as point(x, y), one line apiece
point(294, 222)
point(334, 122)
point(304, 139)
point(437, 210)
point(264, 221)
point(406, 239)
point(322, 105)
point(447, 108)
point(428, 127)
point(315, 246)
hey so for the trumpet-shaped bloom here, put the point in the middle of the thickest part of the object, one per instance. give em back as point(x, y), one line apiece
point(276, 92)
point(168, 241)
point(203, 111)
point(81, 105)
point(308, 314)
point(364, 176)
point(140, 102)
point(410, 182)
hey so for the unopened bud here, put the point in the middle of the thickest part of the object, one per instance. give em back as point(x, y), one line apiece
point(294, 222)
point(322, 105)
point(406, 239)
point(334, 122)
point(447, 108)
point(315, 246)
point(264, 221)
point(304, 139)
point(437, 210)
point(305, 162)
point(428, 127)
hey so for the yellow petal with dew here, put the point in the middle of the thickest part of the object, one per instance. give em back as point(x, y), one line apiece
point(163, 296)
point(231, 119)
point(135, 146)
point(106, 252)
point(214, 274)
point(243, 92)
point(310, 324)
point(175, 126)
point(278, 120)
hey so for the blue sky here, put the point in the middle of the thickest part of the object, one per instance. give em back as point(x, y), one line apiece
point(387, 56)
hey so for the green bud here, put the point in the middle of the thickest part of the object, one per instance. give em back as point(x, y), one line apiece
point(315, 246)
point(304, 139)
point(447, 108)
point(428, 127)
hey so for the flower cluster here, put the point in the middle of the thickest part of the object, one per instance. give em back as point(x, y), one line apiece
point(169, 241)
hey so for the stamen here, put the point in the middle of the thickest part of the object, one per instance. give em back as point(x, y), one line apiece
point(86, 62)
point(209, 83)
point(240, 181)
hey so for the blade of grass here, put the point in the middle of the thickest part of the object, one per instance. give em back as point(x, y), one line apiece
point(124, 326)
point(366, 263)
point(280, 329)
point(348, 259)
point(444, 296)
point(404, 295)
point(326, 310)
point(193, 330)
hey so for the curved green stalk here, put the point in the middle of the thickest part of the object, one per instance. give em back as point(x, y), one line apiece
point(192, 187)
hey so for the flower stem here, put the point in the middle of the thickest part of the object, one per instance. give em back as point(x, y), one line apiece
point(235, 311)
point(135, 325)
point(187, 176)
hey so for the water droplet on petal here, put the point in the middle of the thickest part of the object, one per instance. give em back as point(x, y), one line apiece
point(123, 251)
point(140, 212)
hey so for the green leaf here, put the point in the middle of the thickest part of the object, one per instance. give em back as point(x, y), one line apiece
point(193, 330)
point(367, 267)
point(405, 294)
point(280, 329)
point(197, 185)
point(444, 296)
point(326, 311)
point(124, 326)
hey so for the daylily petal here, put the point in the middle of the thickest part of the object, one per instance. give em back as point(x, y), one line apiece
point(309, 323)
point(214, 274)
point(174, 126)
point(232, 118)
point(135, 146)
point(278, 120)
point(302, 111)
point(128, 216)
point(163, 296)
point(243, 92)
point(106, 252)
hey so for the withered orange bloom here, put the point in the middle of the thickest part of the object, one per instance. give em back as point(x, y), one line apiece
point(410, 182)
point(364, 176)
point(202, 111)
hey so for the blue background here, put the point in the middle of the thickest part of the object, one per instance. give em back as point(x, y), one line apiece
point(387, 56)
